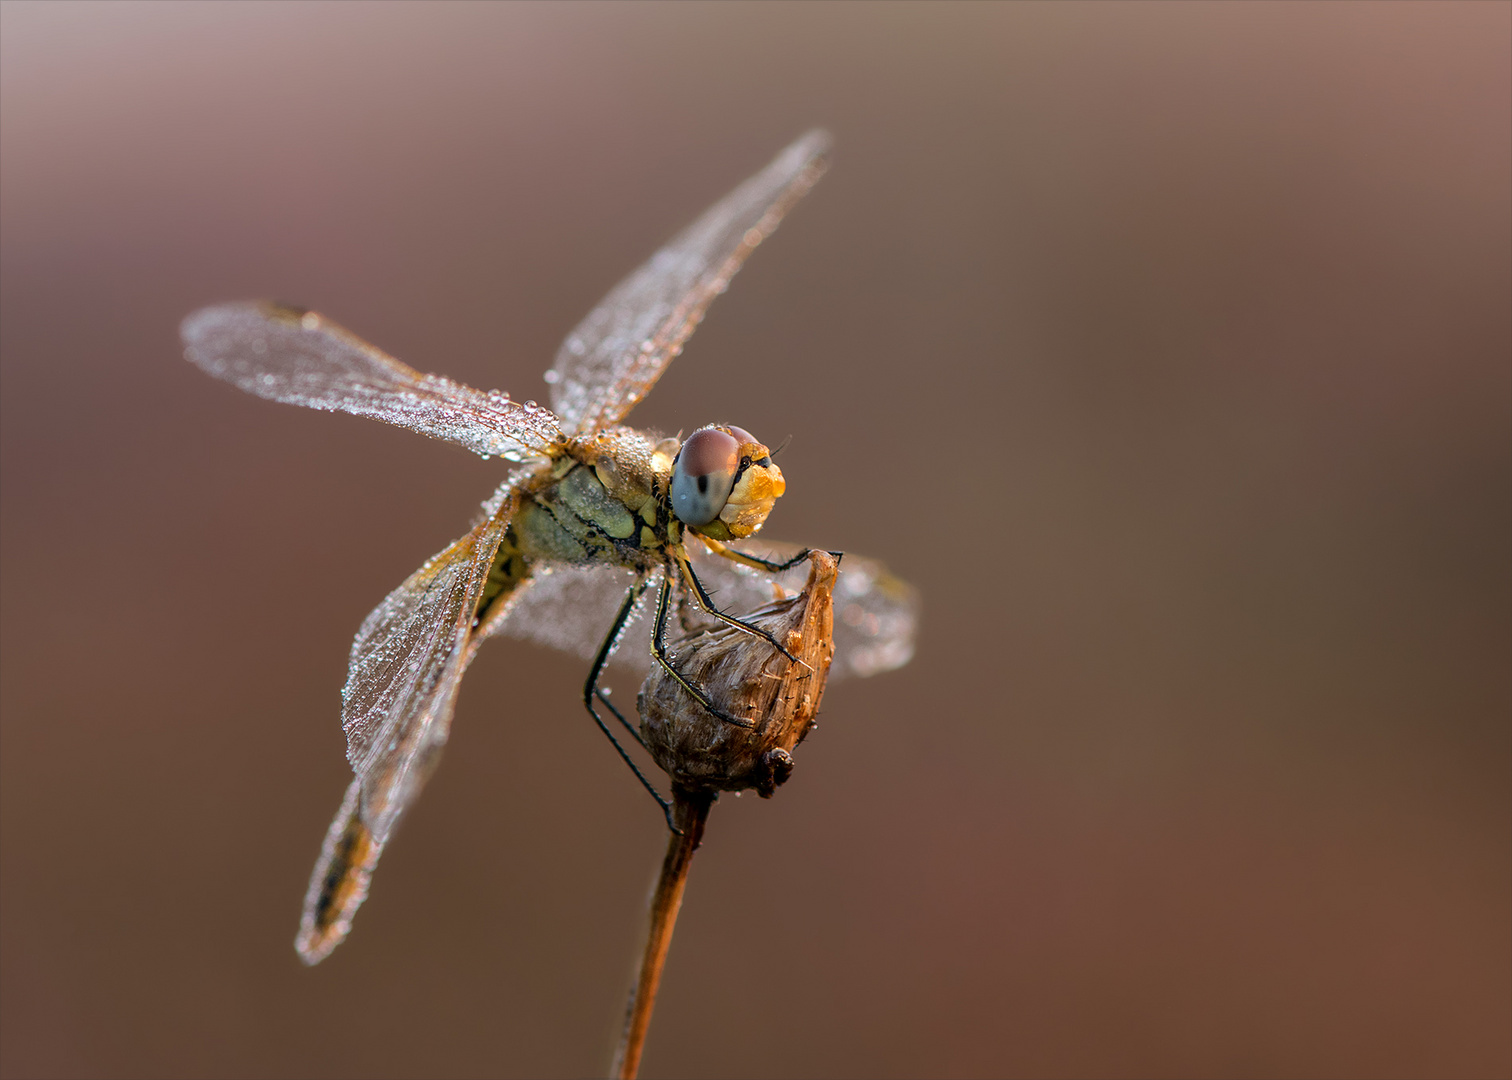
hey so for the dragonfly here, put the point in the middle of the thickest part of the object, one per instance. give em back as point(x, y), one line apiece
point(594, 521)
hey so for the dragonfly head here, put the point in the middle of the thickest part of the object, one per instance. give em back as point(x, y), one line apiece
point(724, 482)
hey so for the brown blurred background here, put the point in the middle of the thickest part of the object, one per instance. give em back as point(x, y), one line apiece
point(1166, 348)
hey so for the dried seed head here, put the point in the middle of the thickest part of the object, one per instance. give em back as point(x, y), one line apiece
point(749, 679)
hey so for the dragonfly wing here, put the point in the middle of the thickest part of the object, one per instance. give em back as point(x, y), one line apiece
point(406, 663)
point(572, 607)
point(301, 358)
point(615, 355)
point(876, 613)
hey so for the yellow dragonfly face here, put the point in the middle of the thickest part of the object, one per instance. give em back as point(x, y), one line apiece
point(595, 516)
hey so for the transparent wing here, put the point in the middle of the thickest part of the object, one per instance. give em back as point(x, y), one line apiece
point(571, 607)
point(301, 358)
point(876, 614)
point(406, 662)
point(615, 355)
point(396, 711)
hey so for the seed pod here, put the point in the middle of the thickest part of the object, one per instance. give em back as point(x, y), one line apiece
point(749, 679)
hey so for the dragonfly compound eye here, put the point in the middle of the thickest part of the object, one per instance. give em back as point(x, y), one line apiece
point(704, 475)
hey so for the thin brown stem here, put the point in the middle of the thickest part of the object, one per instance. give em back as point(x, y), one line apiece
point(690, 810)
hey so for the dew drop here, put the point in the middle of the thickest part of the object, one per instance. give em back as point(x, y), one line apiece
point(552, 377)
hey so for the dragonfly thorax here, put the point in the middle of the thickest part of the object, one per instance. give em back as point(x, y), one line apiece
point(601, 500)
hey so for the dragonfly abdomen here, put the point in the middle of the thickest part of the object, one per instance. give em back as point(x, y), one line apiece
point(510, 567)
point(341, 879)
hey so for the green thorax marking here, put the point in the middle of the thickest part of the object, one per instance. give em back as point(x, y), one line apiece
point(575, 519)
point(610, 509)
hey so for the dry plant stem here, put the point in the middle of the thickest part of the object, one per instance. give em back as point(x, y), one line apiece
point(690, 809)
point(704, 754)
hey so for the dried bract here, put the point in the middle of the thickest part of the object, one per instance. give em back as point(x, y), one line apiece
point(751, 680)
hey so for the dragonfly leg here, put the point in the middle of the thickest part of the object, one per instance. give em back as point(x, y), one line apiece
point(592, 693)
point(659, 651)
point(756, 561)
point(707, 603)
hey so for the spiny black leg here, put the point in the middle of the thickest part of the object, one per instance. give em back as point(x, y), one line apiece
point(779, 567)
point(726, 552)
point(659, 651)
point(709, 606)
point(603, 697)
point(591, 692)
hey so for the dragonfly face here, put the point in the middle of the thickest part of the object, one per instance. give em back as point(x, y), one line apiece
point(569, 543)
point(724, 483)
